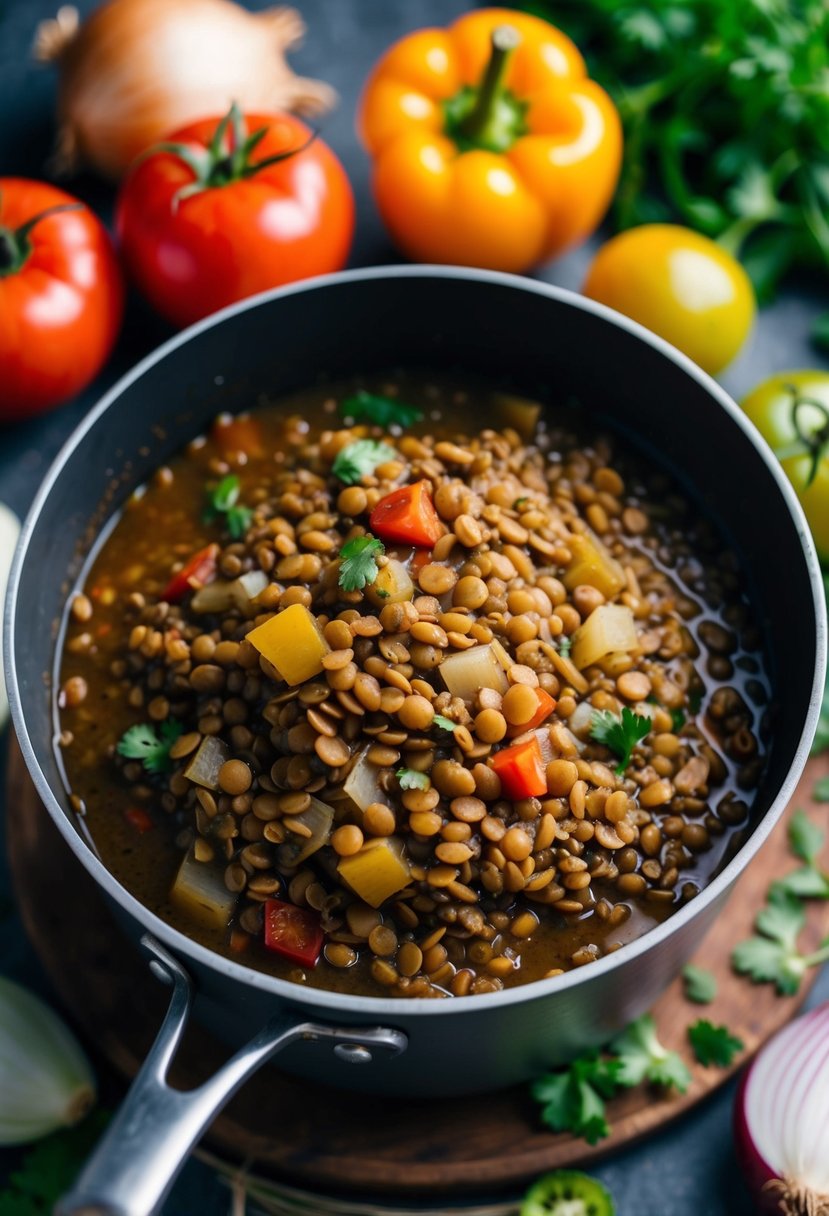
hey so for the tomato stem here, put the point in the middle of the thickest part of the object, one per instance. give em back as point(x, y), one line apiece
point(15, 246)
point(478, 125)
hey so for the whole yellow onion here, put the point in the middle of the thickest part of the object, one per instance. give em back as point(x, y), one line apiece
point(138, 69)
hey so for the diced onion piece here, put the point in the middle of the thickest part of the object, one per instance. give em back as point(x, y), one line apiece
point(200, 891)
point(592, 564)
point(362, 783)
point(479, 667)
point(221, 595)
point(378, 871)
point(521, 413)
point(393, 585)
point(318, 819)
point(581, 719)
point(293, 643)
point(203, 768)
point(609, 629)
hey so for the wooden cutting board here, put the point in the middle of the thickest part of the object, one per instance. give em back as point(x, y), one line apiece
point(324, 1140)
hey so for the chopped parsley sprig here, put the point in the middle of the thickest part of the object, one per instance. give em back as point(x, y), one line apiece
point(382, 411)
point(619, 734)
point(713, 1044)
point(357, 459)
point(141, 742)
point(771, 955)
point(700, 985)
point(358, 562)
point(411, 779)
point(223, 503)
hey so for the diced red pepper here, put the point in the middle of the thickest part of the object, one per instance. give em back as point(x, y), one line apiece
point(521, 770)
point(546, 705)
point(239, 434)
point(138, 818)
point(295, 933)
point(407, 516)
point(194, 574)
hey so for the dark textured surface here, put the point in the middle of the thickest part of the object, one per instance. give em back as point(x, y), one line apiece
point(689, 1170)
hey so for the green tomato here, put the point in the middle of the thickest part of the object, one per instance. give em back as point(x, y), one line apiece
point(791, 412)
point(567, 1193)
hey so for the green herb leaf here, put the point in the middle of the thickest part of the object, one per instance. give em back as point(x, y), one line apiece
point(573, 1100)
point(805, 838)
point(713, 1044)
point(49, 1168)
point(821, 791)
point(223, 500)
point(677, 719)
point(411, 779)
point(444, 723)
point(358, 562)
point(772, 956)
point(382, 411)
point(643, 1058)
point(619, 734)
point(700, 985)
point(358, 459)
point(142, 743)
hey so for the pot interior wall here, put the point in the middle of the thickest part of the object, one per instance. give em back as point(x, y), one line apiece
point(529, 342)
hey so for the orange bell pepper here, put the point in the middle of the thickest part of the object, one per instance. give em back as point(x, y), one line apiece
point(491, 145)
point(521, 770)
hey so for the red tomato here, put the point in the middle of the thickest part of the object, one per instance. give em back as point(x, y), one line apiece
point(198, 233)
point(194, 574)
point(293, 932)
point(61, 297)
point(407, 517)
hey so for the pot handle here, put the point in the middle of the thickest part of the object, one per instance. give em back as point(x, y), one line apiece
point(139, 1156)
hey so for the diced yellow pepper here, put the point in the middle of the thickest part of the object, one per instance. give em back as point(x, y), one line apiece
point(608, 630)
point(293, 643)
point(378, 871)
point(592, 564)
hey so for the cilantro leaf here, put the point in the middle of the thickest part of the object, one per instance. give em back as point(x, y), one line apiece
point(805, 837)
point(643, 1058)
point(619, 734)
point(713, 1044)
point(677, 719)
point(382, 411)
point(573, 1099)
point(772, 955)
point(444, 723)
point(700, 985)
point(223, 500)
point(359, 458)
point(411, 779)
point(358, 564)
point(142, 743)
point(821, 791)
point(806, 883)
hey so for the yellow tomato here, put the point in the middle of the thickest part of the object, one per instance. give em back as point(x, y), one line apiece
point(679, 284)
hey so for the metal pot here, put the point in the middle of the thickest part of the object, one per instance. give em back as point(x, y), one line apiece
point(538, 340)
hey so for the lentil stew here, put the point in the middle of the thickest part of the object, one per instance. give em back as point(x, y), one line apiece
point(416, 691)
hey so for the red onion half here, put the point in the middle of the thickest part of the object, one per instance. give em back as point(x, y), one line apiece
point(781, 1120)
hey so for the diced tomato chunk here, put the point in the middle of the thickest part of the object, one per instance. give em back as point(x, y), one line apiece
point(546, 705)
point(408, 517)
point(295, 933)
point(194, 574)
point(521, 770)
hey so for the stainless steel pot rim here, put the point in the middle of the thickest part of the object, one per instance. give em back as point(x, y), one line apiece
point(380, 1007)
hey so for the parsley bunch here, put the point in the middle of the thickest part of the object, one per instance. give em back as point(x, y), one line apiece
point(726, 114)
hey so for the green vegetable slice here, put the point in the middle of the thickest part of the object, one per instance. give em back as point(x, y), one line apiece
point(567, 1193)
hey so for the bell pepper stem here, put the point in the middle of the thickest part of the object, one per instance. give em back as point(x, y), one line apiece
point(505, 39)
point(15, 245)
